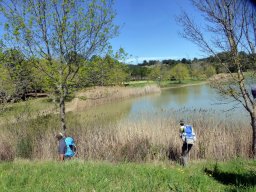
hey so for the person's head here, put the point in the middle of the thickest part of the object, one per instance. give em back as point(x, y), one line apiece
point(182, 122)
point(59, 136)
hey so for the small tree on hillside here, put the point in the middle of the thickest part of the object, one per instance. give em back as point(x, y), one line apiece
point(179, 72)
point(156, 73)
point(230, 28)
point(58, 32)
point(7, 88)
point(19, 72)
point(102, 71)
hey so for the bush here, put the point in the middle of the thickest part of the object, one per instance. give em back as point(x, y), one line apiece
point(24, 147)
point(6, 151)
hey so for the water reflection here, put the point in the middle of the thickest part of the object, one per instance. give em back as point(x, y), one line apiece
point(107, 113)
point(199, 98)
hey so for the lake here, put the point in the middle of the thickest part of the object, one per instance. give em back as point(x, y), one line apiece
point(185, 99)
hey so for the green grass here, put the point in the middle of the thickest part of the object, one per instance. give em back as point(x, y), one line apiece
point(102, 176)
point(142, 83)
point(29, 106)
point(178, 84)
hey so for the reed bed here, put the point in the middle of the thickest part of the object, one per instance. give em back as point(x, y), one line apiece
point(154, 138)
point(101, 95)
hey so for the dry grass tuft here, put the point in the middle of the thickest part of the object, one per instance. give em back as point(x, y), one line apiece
point(6, 151)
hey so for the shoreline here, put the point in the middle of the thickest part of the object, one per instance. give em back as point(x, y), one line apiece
point(101, 95)
point(186, 85)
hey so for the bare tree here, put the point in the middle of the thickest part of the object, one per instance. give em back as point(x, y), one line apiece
point(230, 27)
point(58, 36)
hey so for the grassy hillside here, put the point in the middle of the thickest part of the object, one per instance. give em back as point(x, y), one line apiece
point(101, 176)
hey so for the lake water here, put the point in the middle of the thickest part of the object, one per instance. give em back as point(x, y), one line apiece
point(190, 98)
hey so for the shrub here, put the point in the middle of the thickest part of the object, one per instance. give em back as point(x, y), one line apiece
point(6, 151)
point(24, 147)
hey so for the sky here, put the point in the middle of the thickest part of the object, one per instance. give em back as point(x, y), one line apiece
point(148, 30)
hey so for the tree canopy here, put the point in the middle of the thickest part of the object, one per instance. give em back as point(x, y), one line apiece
point(63, 34)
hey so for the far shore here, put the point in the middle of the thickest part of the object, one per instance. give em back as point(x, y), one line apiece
point(185, 85)
point(101, 95)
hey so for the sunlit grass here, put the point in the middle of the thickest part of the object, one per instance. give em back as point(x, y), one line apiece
point(32, 106)
point(77, 175)
point(179, 83)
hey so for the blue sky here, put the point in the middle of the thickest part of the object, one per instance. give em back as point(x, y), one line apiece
point(149, 30)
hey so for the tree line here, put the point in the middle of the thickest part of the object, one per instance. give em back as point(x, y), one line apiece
point(21, 79)
point(200, 69)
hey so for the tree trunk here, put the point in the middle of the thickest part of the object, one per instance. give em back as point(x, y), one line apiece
point(253, 123)
point(62, 113)
point(63, 93)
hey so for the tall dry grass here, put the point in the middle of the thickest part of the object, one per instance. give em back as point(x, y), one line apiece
point(144, 139)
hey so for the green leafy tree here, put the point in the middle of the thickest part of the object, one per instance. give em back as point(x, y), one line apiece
point(209, 71)
point(104, 71)
point(19, 72)
point(58, 31)
point(155, 73)
point(138, 72)
point(7, 88)
point(117, 72)
point(180, 72)
point(95, 72)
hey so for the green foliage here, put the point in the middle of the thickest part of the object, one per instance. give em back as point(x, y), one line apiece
point(138, 72)
point(7, 88)
point(102, 72)
point(18, 76)
point(202, 70)
point(156, 73)
point(210, 71)
point(63, 34)
point(179, 72)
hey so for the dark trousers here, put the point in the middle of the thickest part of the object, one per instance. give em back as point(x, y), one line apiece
point(185, 152)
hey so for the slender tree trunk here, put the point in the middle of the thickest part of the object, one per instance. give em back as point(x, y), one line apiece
point(253, 123)
point(254, 139)
point(62, 113)
point(62, 108)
